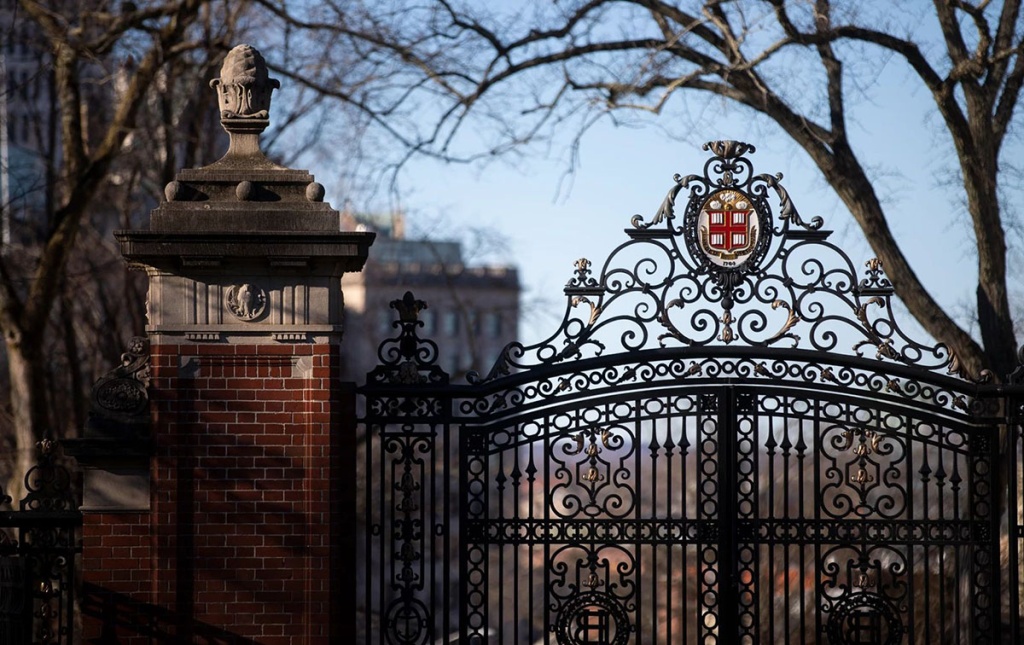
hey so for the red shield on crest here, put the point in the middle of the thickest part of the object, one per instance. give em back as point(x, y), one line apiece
point(728, 227)
point(729, 230)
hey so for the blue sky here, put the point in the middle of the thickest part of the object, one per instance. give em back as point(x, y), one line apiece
point(551, 218)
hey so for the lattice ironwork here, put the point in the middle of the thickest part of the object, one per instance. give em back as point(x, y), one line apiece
point(728, 439)
point(38, 547)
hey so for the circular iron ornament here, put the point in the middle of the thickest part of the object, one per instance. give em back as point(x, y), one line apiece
point(407, 623)
point(857, 614)
point(246, 301)
point(586, 613)
point(728, 228)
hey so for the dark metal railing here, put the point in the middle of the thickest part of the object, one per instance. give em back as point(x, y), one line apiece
point(39, 544)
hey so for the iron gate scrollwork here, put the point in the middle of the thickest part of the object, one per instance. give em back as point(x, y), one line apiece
point(38, 547)
point(728, 439)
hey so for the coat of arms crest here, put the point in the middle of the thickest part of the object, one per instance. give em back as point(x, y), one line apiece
point(728, 228)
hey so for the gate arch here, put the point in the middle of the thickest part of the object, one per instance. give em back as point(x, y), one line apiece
point(728, 439)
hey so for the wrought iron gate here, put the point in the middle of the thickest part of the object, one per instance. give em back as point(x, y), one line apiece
point(38, 547)
point(693, 456)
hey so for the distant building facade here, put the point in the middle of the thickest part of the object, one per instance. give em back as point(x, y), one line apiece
point(27, 106)
point(472, 309)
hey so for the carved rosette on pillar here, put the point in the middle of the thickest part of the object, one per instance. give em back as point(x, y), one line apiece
point(244, 312)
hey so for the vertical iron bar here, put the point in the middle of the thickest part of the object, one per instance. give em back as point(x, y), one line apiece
point(547, 542)
point(446, 539)
point(517, 546)
point(708, 545)
point(926, 516)
point(957, 551)
point(786, 443)
point(501, 547)
point(638, 468)
point(382, 536)
point(941, 482)
point(686, 547)
point(911, 496)
point(430, 536)
point(770, 587)
point(728, 601)
point(653, 573)
point(801, 456)
point(368, 529)
point(816, 452)
point(1013, 465)
point(464, 545)
point(531, 478)
point(669, 548)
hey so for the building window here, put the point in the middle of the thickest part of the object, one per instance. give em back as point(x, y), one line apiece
point(451, 323)
point(384, 319)
point(427, 317)
point(492, 324)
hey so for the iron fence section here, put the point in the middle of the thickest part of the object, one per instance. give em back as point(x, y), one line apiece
point(39, 544)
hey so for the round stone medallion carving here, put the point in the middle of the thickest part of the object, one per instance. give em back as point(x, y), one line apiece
point(246, 301)
point(592, 617)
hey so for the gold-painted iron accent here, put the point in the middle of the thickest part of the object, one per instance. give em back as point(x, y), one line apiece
point(595, 311)
point(868, 444)
point(579, 445)
point(791, 320)
point(861, 442)
point(862, 477)
point(727, 335)
point(883, 346)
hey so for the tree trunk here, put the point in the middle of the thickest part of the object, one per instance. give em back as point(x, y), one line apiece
point(28, 409)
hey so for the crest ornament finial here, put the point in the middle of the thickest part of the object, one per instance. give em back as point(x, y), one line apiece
point(243, 95)
point(244, 86)
point(729, 149)
point(409, 308)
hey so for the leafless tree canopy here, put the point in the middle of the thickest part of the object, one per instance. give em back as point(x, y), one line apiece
point(386, 80)
point(461, 80)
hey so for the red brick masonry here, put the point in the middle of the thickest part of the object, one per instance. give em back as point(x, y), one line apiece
point(236, 547)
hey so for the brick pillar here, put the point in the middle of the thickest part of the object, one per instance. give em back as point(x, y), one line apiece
point(234, 541)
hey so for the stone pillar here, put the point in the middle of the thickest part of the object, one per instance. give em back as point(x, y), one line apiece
point(245, 316)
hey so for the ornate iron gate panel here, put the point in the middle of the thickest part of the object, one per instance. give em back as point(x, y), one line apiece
point(655, 516)
point(692, 457)
point(38, 547)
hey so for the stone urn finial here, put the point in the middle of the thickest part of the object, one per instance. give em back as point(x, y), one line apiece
point(243, 94)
